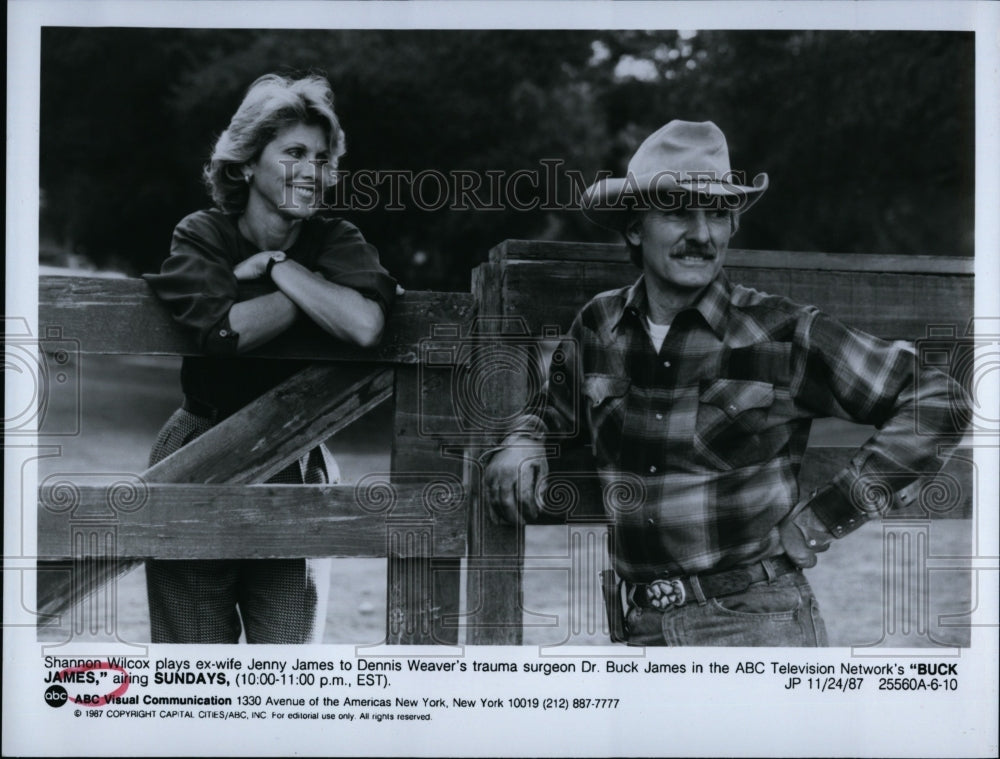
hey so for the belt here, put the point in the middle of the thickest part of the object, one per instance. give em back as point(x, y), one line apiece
point(677, 591)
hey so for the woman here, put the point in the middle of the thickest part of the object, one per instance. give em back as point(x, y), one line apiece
point(266, 176)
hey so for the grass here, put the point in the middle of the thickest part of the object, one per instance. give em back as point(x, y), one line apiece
point(125, 399)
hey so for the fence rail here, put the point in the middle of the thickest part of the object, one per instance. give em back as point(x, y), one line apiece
point(894, 297)
point(262, 522)
point(123, 316)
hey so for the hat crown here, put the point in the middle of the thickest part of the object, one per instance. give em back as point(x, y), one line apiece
point(681, 156)
point(685, 147)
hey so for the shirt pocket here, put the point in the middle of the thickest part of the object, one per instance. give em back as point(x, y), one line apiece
point(731, 423)
point(605, 397)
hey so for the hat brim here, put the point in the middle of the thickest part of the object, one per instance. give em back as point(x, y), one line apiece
point(608, 202)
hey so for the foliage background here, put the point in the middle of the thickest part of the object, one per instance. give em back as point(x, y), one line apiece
point(868, 137)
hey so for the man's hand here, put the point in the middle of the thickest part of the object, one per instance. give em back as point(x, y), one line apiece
point(803, 535)
point(511, 481)
point(255, 266)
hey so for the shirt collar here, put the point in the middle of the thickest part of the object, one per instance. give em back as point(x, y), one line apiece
point(713, 303)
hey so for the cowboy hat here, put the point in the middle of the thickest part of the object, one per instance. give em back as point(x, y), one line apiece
point(680, 157)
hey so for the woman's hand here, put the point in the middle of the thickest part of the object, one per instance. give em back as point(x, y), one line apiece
point(255, 266)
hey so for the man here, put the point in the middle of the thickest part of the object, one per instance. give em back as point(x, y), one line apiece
point(706, 391)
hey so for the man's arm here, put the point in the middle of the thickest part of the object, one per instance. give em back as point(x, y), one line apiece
point(848, 374)
point(514, 474)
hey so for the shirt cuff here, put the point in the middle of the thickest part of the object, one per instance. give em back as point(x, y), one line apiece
point(221, 340)
point(526, 426)
point(837, 512)
point(513, 438)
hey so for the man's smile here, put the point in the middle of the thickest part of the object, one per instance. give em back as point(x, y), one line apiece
point(693, 256)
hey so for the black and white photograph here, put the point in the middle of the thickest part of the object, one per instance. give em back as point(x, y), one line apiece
point(438, 364)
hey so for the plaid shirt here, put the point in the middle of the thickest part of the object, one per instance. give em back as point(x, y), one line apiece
point(710, 431)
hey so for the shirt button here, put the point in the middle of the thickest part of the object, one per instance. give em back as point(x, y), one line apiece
point(223, 333)
point(651, 521)
point(732, 407)
point(652, 469)
point(659, 416)
point(666, 364)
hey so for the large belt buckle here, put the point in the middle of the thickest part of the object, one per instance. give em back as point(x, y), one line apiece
point(663, 595)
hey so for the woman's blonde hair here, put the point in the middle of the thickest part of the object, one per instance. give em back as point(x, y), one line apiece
point(272, 103)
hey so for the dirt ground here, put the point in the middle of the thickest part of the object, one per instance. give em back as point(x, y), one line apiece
point(124, 400)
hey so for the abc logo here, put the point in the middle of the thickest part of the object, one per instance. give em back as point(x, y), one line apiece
point(55, 696)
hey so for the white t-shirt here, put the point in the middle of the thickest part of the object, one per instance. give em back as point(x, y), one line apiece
point(657, 333)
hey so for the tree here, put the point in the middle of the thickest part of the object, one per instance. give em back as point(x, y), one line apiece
point(867, 137)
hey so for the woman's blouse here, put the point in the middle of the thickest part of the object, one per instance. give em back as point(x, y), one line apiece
point(197, 284)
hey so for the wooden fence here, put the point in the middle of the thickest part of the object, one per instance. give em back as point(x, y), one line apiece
point(425, 515)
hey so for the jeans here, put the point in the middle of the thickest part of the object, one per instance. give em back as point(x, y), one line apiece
point(782, 612)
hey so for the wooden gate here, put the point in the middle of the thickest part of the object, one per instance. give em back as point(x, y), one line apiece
point(425, 515)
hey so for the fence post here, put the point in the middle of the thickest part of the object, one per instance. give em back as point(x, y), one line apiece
point(494, 593)
point(422, 594)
